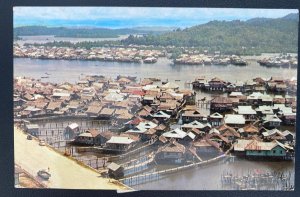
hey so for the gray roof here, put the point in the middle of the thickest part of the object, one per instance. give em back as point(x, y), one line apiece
point(246, 110)
point(32, 126)
point(120, 140)
point(234, 119)
point(113, 166)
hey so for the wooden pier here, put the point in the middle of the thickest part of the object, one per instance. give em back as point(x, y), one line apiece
point(152, 176)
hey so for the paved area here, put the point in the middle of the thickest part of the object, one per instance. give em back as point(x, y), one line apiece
point(65, 173)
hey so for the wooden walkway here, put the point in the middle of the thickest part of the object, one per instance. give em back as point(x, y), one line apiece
point(193, 151)
point(142, 178)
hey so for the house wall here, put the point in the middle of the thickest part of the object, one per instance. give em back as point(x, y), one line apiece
point(171, 155)
point(188, 119)
point(166, 157)
point(206, 149)
point(215, 122)
point(71, 133)
point(100, 140)
point(119, 146)
point(85, 140)
point(275, 152)
point(34, 132)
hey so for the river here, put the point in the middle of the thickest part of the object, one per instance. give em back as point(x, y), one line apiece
point(194, 179)
point(72, 70)
point(209, 177)
point(51, 38)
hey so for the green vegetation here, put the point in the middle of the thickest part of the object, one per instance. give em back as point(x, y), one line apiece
point(254, 36)
point(82, 32)
point(72, 32)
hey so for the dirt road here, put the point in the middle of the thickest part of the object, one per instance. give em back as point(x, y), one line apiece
point(65, 173)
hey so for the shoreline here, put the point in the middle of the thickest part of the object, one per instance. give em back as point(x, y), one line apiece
point(74, 169)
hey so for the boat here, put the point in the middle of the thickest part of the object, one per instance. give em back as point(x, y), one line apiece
point(44, 77)
point(44, 174)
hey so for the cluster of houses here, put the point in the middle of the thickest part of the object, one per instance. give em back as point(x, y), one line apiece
point(284, 61)
point(162, 115)
point(273, 85)
point(100, 98)
point(117, 54)
point(216, 59)
point(270, 112)
point(92, 97)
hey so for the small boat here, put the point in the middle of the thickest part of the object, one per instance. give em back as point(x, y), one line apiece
point(44, 174)
point(47, 73)
point(44, 77)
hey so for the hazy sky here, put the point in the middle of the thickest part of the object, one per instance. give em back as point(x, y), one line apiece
point(116, 17)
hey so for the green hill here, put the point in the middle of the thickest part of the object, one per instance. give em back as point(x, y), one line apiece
point(254, 36)
point(82, 32)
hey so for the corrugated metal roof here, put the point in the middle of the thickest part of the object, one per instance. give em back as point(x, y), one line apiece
point(234, 119)
point(120, 140)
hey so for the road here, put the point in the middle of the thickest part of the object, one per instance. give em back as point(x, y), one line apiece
point(65, 173)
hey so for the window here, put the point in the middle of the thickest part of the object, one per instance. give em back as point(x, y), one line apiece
point(281, 152)
point(274, 151)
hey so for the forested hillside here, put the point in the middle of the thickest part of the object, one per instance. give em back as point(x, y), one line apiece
point(253, 36)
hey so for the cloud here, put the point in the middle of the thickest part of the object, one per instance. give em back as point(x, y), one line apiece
point(119, 13)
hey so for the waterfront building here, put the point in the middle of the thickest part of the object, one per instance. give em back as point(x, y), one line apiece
point(54, 106)
point(264, 110)
point(257, 149)
point(120, 143)
point(273, 134)
point(161, 116)
point(104, 137)
point(192, 115)
point(234, 120)
point(221, 104)
point(215, 119)
point(106, 113)
point(71, 131)
point(206, 147)
point(248, 113)
point(31, 111)
point(93, 110)
point(248, 130)
point(32, 129)
point(89, 137)
point(115, 171)
point(216, 84)
point(196, 125)
point(288, 136)
point(173, 152)
point(271, 121)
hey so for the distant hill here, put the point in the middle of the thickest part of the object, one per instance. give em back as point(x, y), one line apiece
point(253, 36)
point(155, 28)
point(83, 32)
point(292, 16)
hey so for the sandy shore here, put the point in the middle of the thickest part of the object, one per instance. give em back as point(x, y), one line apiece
point(65, 173)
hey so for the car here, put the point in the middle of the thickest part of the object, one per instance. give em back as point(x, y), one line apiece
point(29, 137)
point(42, 143)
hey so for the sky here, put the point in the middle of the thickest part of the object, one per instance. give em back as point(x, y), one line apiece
point(127, 17)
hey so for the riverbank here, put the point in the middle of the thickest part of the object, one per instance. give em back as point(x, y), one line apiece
point(32, 157)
